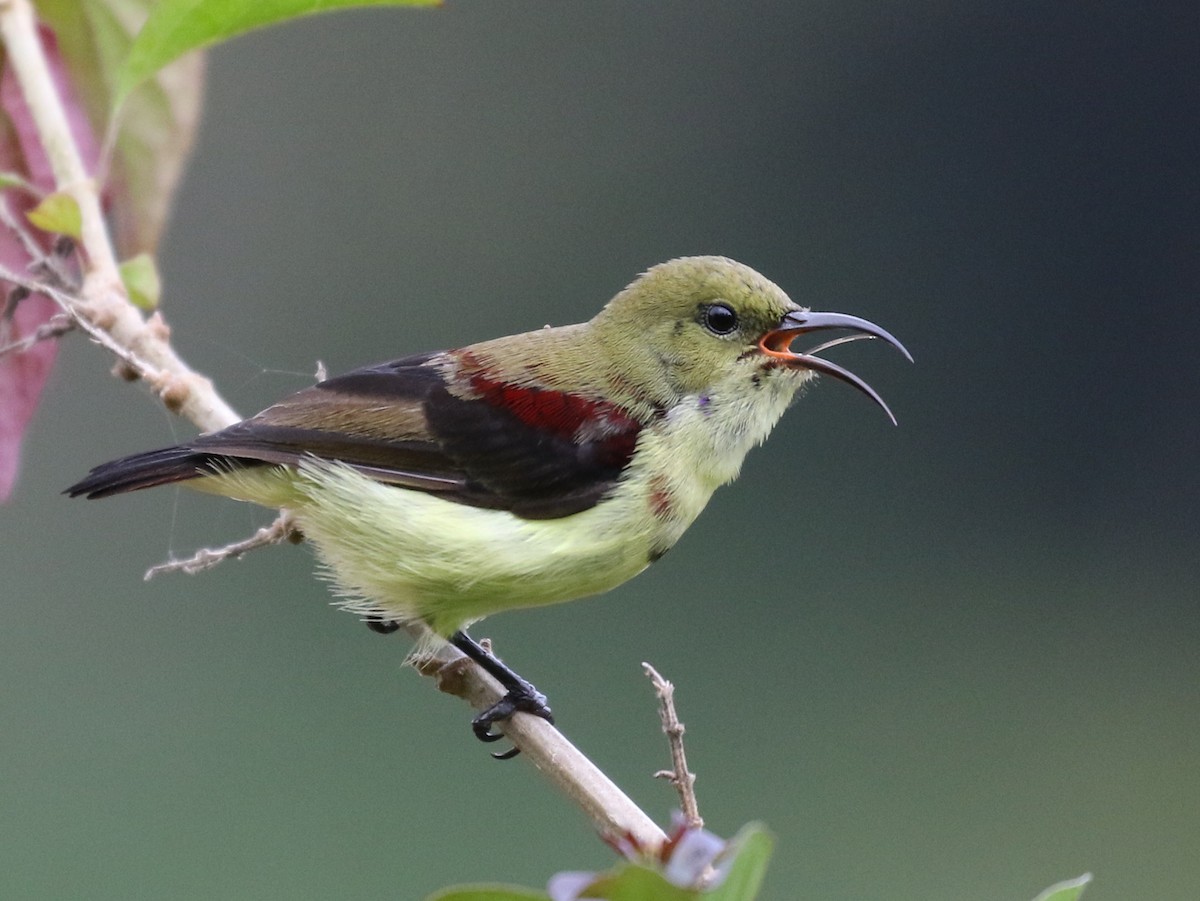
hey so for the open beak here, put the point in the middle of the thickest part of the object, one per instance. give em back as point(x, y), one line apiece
point(776, 344)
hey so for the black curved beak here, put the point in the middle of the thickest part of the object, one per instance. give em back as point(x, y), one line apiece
point(777, 343)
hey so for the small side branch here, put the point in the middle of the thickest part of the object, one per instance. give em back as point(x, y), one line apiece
point(70, 306)
point(281, 530)
point(56, 327)
point(679, 775)
point(49, 267)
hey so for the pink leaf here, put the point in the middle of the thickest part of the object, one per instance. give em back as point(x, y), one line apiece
point(23, 374)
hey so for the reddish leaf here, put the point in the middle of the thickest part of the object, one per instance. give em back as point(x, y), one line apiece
point(23, 374)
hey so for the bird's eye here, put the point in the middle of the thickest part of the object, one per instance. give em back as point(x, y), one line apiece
point(719, 319)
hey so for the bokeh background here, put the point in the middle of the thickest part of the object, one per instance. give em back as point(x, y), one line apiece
point(954, 659)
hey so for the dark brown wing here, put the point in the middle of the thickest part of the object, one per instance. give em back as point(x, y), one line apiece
point(372, 419)
point(536, 452)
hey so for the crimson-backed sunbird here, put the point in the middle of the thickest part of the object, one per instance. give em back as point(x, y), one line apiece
point(540, 467)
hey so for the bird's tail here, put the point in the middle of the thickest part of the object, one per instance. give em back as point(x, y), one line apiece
point(145, 470)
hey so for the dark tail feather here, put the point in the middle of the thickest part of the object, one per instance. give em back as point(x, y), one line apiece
point(157, 467)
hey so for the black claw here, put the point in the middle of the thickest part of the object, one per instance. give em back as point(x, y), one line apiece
point(520, 696)
point(526, 699)
point(482, 726)
point(380, 625)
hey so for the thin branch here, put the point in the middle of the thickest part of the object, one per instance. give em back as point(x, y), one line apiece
point(43, 266)
point(281, 530)
point(10, 222)
point(683, 780)
point(143, 345)
point(47, 266)
point(70, 306)
point(58, 325)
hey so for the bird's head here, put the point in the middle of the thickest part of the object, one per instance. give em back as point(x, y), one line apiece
point(696, 325)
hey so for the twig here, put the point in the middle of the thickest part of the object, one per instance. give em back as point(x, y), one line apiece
point(10, 221)
point(281, 530)
point(43, 265)
point(70, 306)
point(56, 327)
point(103, 310)
point(683, 780)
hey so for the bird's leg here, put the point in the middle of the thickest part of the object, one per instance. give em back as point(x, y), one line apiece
point(520, 695)
point(380, 625)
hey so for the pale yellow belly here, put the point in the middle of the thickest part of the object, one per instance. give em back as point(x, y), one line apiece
point(411, 556)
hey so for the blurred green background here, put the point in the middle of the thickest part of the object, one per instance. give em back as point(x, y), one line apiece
point(954, 659)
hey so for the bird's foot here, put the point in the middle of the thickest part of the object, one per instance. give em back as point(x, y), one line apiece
point(523, 699)
point(520, 695)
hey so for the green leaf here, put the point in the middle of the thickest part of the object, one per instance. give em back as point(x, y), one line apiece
point(57, 214)
point(1069, 890)
point(142, 284)
point(177, 26)
point(630, 882)
point(752, 846)
point(487, 893)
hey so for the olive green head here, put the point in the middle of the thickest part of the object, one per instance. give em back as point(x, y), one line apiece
point(689, 324)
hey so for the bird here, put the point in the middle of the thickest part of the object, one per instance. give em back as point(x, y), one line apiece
point(541, 467)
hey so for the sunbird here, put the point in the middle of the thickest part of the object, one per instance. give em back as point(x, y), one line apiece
point(541, 467)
